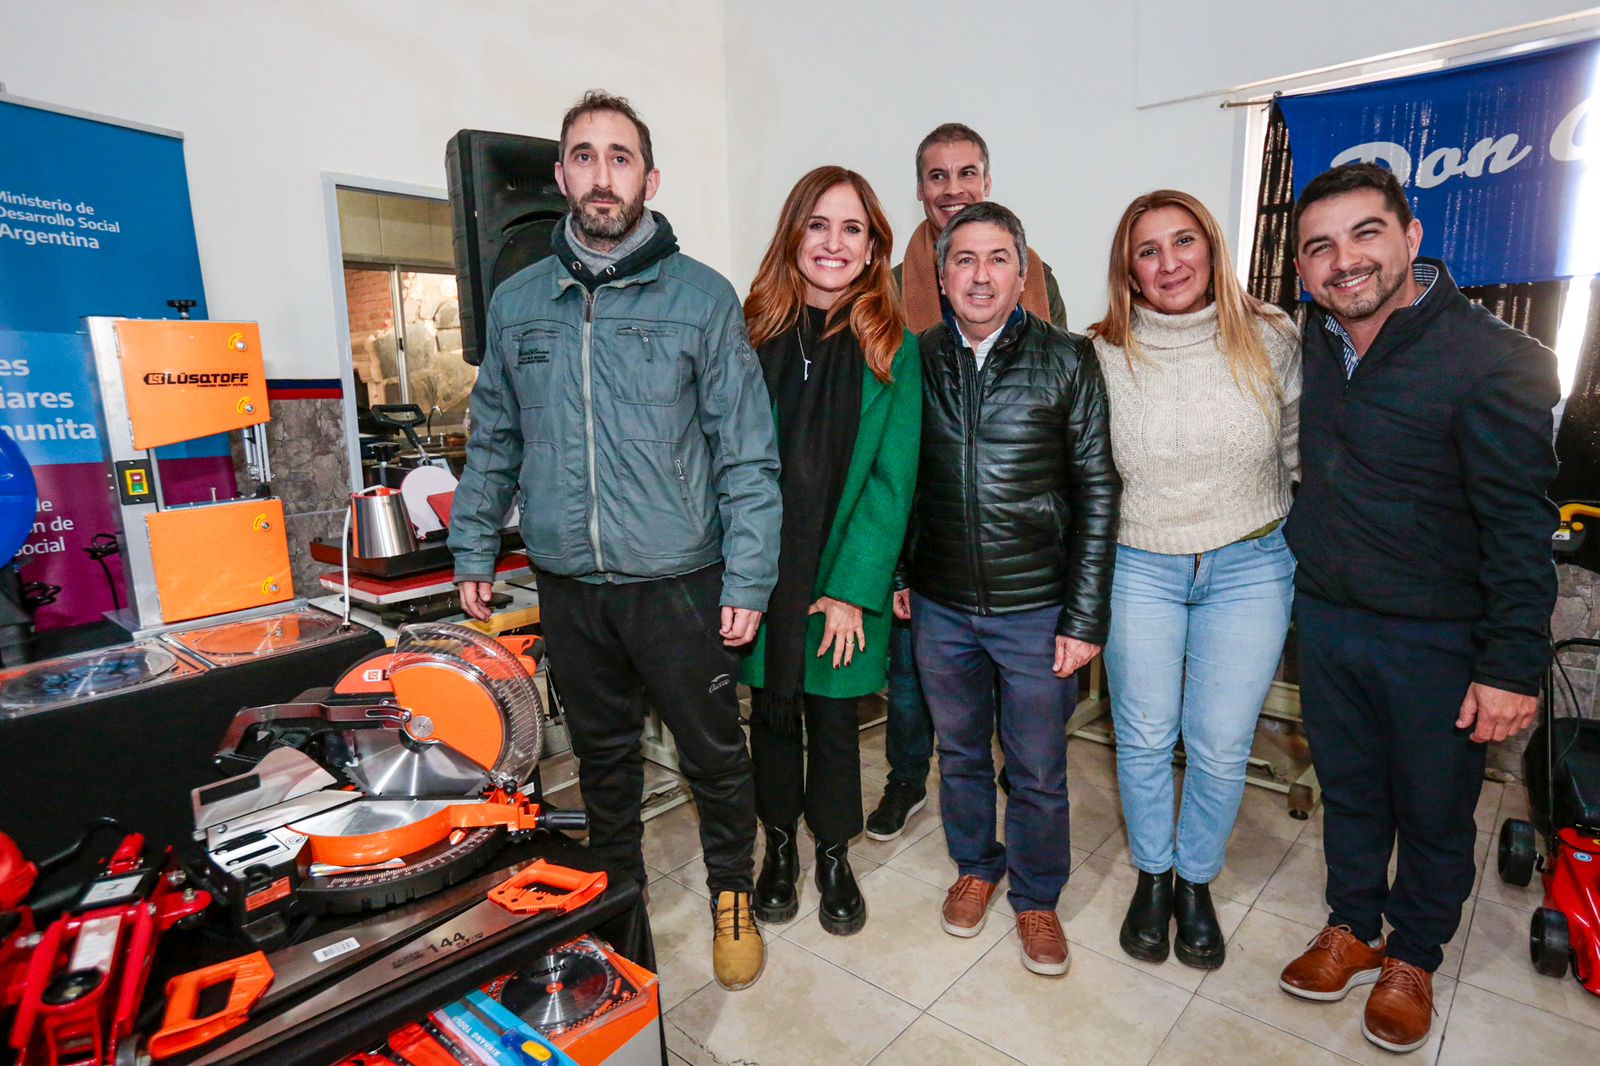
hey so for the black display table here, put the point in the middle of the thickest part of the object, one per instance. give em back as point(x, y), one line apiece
point(618, 916)
point(136, 755)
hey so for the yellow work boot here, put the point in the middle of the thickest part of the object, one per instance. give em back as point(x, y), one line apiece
point(737, 954)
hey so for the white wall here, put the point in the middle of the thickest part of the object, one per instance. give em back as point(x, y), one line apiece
point(1188, 47)
point(271, 95)
point(742, 97)
point(1054, 88)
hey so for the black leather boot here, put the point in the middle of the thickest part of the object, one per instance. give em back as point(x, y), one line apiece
point(1144, 930)
point(777, 898)
point(1200, 941)
point(843, 909)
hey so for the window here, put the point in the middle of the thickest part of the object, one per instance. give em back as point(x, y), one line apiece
point(1533, 307)
point(399, 268)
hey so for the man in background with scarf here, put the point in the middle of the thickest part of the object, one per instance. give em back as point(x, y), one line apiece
point(952, 174)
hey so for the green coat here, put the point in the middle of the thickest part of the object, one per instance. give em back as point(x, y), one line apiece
point(858, 561)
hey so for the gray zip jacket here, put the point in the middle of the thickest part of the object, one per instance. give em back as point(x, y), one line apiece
point(630, 409)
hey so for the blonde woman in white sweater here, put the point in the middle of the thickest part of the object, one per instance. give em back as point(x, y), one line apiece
point(1204, 385)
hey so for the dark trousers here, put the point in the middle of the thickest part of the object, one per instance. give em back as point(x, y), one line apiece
point(613, 645)
point(819, 776)
point(1380, 696)
point(959, 656)
point(908, 733)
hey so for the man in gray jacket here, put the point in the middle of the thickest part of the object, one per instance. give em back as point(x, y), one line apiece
point(619, 391)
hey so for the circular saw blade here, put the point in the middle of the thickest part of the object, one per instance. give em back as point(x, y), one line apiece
point(562, 989)
point(472, 693)
point(388, 763)
point(82, 677)
point(259, 636)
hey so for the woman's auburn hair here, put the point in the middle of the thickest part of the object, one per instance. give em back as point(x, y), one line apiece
point(1238, 312)
point(777, 294)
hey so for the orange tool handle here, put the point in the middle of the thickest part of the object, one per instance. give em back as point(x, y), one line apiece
point(529, 649)
point(181, 1030)
point(1569, 511)
point(526, 891)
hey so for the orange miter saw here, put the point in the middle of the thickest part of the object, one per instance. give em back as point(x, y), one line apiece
point(402, 778)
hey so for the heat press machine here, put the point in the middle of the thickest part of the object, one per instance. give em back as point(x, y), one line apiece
point(164, 382)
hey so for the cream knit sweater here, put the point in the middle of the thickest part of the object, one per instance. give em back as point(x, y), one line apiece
point(1201, 463)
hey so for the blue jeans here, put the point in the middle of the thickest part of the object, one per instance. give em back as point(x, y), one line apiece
point(959, 656)
point(908, 734)
point(1194, 642)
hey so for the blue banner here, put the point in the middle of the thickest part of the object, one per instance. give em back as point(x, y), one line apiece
point(94, 220)
point(1501, 160)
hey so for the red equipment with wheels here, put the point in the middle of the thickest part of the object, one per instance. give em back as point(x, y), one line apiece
point(79, 991)
point(1562, 769)
point(16, 921)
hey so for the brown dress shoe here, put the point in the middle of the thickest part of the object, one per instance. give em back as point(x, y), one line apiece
point(966, 906)
point(1399, 1012)
point(1334, 963)
point(1044, 945)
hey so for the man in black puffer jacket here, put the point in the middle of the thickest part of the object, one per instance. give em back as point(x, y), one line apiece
point(1012, 545)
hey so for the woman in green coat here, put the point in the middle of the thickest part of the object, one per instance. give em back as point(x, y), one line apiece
point(846, 386)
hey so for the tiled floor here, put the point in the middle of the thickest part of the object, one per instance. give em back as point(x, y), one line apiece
point(903, 993)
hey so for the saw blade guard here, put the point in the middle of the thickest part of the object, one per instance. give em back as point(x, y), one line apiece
point(471, 692)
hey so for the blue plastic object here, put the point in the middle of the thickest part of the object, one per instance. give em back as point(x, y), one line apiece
point(19, 499)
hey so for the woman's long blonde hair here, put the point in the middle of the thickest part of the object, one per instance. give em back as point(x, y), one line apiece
point(777, 295)
point(1237, 311)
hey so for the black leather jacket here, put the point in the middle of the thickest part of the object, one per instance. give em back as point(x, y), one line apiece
point(1017, 495)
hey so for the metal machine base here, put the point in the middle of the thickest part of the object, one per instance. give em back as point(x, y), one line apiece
point(128, 618)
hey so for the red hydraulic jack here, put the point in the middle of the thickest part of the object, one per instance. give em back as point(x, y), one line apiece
point(85, 974)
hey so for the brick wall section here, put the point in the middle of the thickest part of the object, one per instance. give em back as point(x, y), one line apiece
point(368, 295)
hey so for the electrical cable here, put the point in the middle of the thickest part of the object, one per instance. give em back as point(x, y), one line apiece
point(101, 547)
point(1577, 711)
point(344, 561)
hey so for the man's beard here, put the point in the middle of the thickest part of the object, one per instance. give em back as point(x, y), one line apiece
point(1384, 286)
point(604, 232)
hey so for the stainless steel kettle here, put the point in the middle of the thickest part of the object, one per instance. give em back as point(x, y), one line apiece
point(380, 526)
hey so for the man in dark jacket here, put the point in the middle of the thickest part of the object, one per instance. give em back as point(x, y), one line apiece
point(1012, 544)
point(620, 393)
point(1422, 532)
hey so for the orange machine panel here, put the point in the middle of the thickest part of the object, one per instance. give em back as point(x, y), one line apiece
point(191, 379)
point(219, 557)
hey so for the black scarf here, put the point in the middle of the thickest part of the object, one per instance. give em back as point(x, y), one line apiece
point(815, 386)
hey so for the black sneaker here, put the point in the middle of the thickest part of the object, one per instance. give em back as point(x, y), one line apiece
point(900, 801)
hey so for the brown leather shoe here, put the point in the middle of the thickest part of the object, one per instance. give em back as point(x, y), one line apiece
point(1044, 945)
point(966, 906)
point(1399, 1012)
point(1334, 963)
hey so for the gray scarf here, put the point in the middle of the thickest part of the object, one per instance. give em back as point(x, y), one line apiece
point(596, 261)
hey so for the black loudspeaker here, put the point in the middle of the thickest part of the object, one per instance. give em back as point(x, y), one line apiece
point(504, 204)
